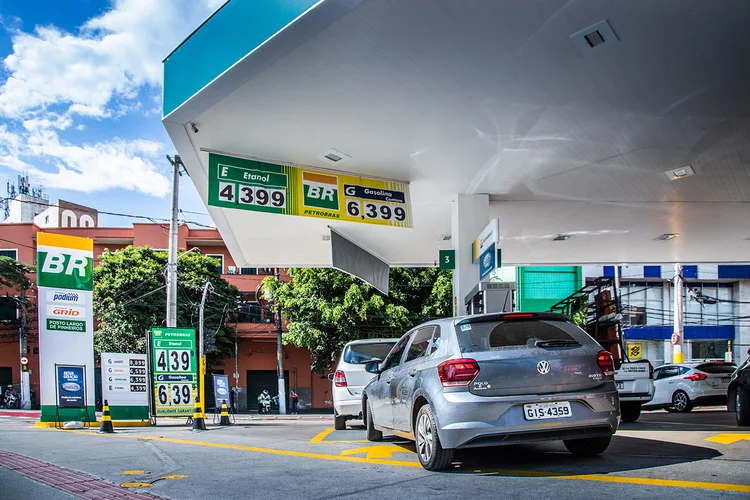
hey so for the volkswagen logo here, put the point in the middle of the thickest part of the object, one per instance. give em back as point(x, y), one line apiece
point(543, 367)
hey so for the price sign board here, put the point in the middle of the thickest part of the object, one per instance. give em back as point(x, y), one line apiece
point(125, 385)
point(258, 186)
point(175, 371)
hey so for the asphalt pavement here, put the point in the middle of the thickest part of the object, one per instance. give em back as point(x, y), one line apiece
point(692, 456)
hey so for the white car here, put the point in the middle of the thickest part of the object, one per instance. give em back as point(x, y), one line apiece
point(350, 377)
point(681, 387)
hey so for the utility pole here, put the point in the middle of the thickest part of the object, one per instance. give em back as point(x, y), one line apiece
point(201, 354)
point(280, 355)
point(172, 264)
point(236, 361)
point(23, 340)
point(678, 338)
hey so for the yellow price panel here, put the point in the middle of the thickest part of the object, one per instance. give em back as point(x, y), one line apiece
point(635, 351)
point(257, 186)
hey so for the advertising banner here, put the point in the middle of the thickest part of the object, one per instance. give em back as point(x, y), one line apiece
point(71, 387)
point(65, 279)
point(257, 186)
point(487, 262)
point(125, 385)
point(175, 371)
point(221, 390)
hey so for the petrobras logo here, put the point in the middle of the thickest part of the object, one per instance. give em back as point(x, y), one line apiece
point(487, 260)
point(67, 312)
point(66, 297)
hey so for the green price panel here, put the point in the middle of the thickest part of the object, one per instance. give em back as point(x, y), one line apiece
point(175, 371)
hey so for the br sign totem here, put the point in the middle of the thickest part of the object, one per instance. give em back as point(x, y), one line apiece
point(65, 277)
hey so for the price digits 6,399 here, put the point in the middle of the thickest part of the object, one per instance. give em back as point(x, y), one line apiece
point(372, 210)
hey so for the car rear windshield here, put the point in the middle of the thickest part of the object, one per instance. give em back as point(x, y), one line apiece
point(499, 335)
point(716, 368)
point(358, 354)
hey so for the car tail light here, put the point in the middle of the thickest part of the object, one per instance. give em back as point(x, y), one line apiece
point(339, 379)
point(650, 371)
point(457, 372)
point(518, 315)
point(696, 377)
point(606, 363)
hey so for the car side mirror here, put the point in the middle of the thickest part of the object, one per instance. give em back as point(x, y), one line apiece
point(330, 376)
point(372, 366)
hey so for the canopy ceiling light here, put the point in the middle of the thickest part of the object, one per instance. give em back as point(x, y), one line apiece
point(667, 236)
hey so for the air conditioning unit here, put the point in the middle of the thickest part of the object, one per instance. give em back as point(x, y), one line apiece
point(231, 269)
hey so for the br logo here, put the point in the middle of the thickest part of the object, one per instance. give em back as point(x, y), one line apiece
point(54, 263)
point(320, 191)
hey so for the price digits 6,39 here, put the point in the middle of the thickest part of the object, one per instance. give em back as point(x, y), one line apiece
point(372, 210)
point(175, 394)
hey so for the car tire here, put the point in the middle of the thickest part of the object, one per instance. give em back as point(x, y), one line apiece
point(430, 452)
point(587, 447)
point(742, 406)
point(630, 412)
point(339, 422)
point(372, 433)
point(681, 402)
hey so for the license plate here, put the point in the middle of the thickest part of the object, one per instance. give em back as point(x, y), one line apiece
point(620, 385)
point(542, 411)
point(725, 379)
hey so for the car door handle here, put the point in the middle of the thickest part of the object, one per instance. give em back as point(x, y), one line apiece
point(413, 373)
point(389, 380)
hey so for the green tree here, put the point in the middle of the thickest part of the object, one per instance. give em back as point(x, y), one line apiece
point(327, 308)
point(130, 298)
point(14, 274)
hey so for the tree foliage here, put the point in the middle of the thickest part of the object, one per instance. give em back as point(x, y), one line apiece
point(130, 298)
point(327, 308)
point(14, 274)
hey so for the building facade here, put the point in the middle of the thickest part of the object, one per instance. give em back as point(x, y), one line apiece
point(255, 363)
point(716, 307)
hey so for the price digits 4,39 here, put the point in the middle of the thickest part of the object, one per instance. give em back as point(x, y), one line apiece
point(175, 394)
point(252, 195)
point(370, 210)
point(173, 361)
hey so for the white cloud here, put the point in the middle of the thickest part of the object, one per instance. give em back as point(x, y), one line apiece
point(88, 167)
point(112, 55)
point(56, 77)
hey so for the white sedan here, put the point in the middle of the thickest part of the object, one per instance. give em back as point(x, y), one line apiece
point(681, 387)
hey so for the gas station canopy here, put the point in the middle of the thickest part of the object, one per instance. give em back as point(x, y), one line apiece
point(592, 127)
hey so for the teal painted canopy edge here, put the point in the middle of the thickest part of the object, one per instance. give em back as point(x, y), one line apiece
point(235, 30)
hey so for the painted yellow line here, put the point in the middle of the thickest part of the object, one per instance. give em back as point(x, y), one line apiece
point(728, 438)
point(115, 423)
point(321, 436)
point(743, 488)
point(136, 485)
point(174, 476)
point(133, 472)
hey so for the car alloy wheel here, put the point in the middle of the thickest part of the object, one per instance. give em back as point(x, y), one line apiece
point(680, 401)
point(424, 438)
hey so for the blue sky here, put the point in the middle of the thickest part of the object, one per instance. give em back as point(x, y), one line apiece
point(80, 100)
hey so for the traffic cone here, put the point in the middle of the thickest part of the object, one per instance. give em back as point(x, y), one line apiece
point(224, 415)
point(198, 423)
point(106, 425)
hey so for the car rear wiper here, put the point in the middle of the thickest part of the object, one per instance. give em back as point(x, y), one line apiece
point(556, 343)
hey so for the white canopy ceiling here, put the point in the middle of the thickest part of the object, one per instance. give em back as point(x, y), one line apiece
point(482, 96)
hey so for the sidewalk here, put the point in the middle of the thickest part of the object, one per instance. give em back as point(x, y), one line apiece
point(34, 414)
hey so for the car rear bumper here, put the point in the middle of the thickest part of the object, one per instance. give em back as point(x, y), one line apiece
point(344, 403)
point(466, 420)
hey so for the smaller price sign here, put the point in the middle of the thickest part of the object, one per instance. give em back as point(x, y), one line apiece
point(125, 385)
point(174, 371)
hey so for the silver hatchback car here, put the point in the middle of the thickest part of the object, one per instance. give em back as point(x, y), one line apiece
point(490, 380)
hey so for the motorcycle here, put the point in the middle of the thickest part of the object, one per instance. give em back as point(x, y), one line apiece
point(265, 406)
point(12, 401)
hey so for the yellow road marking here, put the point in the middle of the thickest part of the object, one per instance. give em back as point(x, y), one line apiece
point(132, 472)
point(136, 485)
point(174, 476)
point(743, 488)
point(379, 451)
point(728, 438)
point(321, 436)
